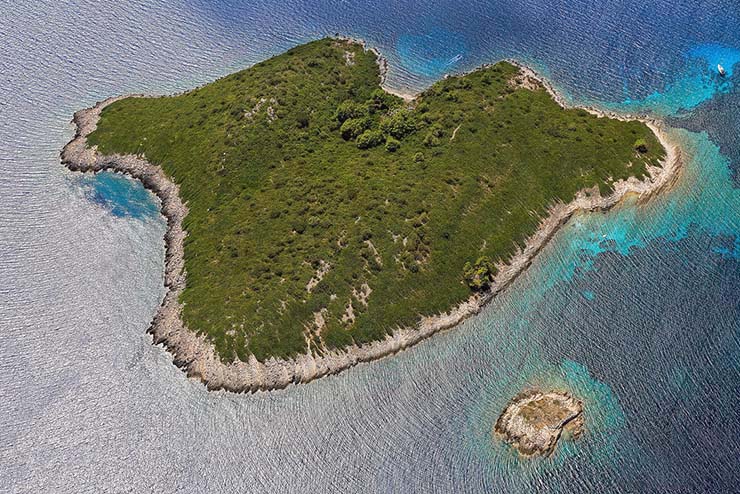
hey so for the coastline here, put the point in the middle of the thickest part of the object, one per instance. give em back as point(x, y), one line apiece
point(533, 422)
point(196, 355)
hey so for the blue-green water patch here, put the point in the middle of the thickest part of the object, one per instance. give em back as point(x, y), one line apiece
point(715, 54)
point(700, 81)
point(433, 53)
point(636, 357)
point(704, 199)
point(720, 118)
point(604, 420)
point(119, 194)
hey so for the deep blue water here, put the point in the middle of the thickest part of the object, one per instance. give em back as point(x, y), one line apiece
point(635, 310)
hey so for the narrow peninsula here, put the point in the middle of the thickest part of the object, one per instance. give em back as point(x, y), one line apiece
point(315, 220)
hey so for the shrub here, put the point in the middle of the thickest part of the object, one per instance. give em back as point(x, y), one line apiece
point(554, 132)
point(370, 139)
point(431, 140)
point(354, 127)
point(436, 130)
point(302, 120)
point(640, 146)
point(392, 144)
point(349, 109)
point(380, 100)
point(419, 157)
point(478, 276)
point(398, 125)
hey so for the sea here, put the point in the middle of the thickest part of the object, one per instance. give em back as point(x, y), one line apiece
point(635, 310)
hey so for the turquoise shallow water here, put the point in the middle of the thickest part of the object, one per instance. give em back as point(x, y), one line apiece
point(120, 195)
point(636, 310)
point(700, 82)
point(432, 53)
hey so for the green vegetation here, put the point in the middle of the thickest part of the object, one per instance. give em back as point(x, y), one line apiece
point(640, 146)
point(325, 211)
point(479, 276)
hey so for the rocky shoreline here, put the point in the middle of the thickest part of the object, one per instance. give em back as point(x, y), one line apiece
point(197, 356)
point(534, 421)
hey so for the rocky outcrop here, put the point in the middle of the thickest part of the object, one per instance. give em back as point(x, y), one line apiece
point(534, 421)
point(196, 355)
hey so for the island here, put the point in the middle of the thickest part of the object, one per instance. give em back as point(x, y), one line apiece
point(534, 421)
point(315, 220)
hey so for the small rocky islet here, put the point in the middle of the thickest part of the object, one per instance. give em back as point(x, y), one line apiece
point(534, 421)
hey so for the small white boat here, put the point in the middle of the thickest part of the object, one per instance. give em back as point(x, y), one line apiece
point(721, 70)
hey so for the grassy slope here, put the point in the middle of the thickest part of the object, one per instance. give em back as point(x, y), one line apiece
point(273, 193)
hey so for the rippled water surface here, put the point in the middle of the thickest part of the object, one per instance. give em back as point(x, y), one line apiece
point(635, 310)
